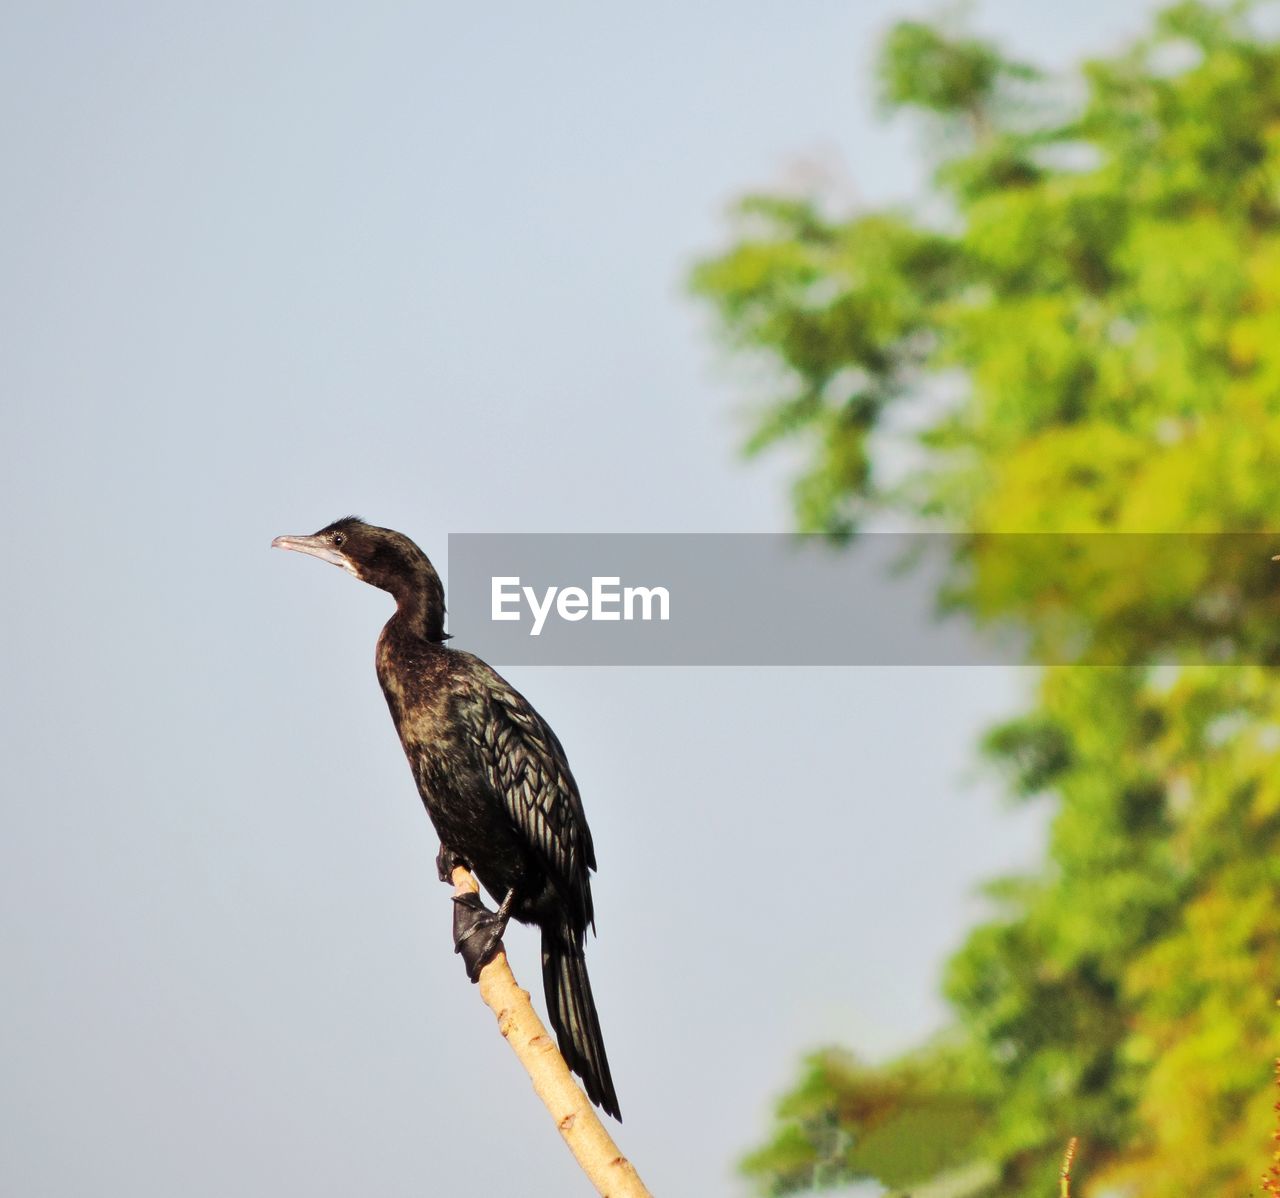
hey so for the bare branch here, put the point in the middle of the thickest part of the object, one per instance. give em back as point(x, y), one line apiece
point(1067, 1161)
point(609, 1171)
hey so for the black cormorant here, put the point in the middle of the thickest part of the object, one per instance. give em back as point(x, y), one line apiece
point(495, 782)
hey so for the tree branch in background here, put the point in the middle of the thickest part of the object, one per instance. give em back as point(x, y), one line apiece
point(1067, 1161)
point(599, 1157)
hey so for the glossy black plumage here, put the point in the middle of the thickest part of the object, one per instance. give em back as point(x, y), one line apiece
point(493, 777)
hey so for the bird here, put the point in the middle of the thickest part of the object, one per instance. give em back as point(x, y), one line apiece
point(495, 782)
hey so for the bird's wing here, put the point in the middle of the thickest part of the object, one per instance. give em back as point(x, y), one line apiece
point(527, 768)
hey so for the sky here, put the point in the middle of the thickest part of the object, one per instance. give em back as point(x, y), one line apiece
point(267, 264)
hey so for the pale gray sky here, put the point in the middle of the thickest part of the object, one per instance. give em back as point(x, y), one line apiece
point(265, 264)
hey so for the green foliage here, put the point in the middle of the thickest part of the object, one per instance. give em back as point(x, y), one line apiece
point(1034, 750)
point(844, 1121)
point(1090, 341)
point(846, 311)
point(923, 67)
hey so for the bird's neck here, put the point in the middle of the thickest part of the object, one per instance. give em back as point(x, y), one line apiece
point(420, 607)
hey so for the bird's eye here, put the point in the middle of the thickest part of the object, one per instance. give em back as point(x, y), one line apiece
point(338, 538)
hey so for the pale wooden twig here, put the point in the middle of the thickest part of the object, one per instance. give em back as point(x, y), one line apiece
point(608, 1170)
point(1067, 1162)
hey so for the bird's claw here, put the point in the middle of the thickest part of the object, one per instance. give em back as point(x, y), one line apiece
point(477, 932)
point(446, 862)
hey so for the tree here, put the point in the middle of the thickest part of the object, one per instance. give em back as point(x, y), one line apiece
point(1086, 341)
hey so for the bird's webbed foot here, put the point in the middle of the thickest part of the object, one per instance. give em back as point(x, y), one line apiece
point(477, 932)
point(447, 861)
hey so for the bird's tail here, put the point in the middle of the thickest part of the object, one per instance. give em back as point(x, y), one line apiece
point(572, 1011)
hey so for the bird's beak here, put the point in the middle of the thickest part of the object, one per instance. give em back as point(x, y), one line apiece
point(316, 547)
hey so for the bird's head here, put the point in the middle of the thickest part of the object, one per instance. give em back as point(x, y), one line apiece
point(383, 558)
